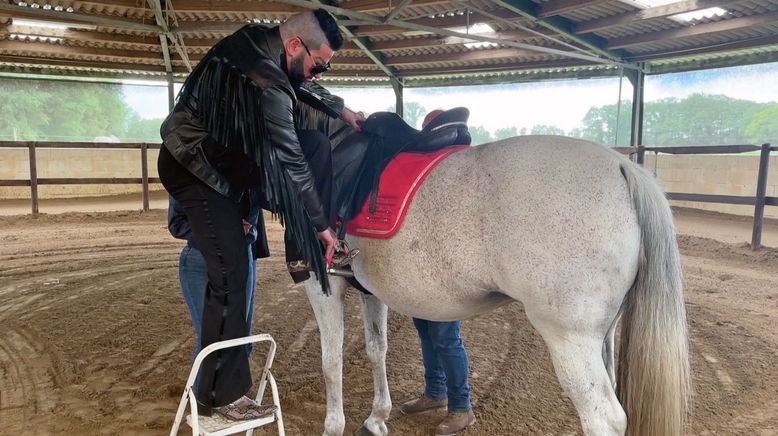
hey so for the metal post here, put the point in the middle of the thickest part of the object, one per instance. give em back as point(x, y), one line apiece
point(638, 80)
point(641, 155)
point(761, 193)
point(144, 166)
point(171, 95)
point(398, 97)
point(33, 178)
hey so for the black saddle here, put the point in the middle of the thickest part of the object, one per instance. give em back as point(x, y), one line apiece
point(383, 136)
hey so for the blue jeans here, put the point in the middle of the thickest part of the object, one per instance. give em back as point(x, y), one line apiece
point(193, 275)
point(445, 363)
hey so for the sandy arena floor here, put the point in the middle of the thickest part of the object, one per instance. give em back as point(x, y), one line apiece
point(96, 338)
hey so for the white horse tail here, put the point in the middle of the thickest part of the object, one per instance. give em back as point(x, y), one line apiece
point(653, 372)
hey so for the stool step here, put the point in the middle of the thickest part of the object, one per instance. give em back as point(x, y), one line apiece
point(218, 425)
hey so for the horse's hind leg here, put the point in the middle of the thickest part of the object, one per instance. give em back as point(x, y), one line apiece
point(578, 362)
point(329, 315)
point(374, 315)
point(609, 352)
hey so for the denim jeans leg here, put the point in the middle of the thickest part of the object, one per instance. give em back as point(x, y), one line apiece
point(451, 351)
point(434, 376)
point(193, 276)
point(251, 286)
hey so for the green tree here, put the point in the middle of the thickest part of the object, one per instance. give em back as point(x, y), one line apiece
point(48, 110)
point(480, 135)
point(600, 124)
point(764, 126)
point(414, 113)
point(142, 130)
point(546, 129)
point(505, 133)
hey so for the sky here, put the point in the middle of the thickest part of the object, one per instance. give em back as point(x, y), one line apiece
point(561, 103)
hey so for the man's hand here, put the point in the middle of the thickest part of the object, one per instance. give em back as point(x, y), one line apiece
point(354, 119)
point(246, 227)
point(327, 237)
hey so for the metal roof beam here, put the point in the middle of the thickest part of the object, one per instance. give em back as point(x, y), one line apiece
point(647, 14)
point(696, 30)
point(474, 55)
point(440, 31)
point(82, 36)
point(162, 23)
point(364, 45)
point(455, 21)
point(396, 11)
point(530, 9)
point(705, 49)
point(72, 17)
point(557, 7)
point(44, 50)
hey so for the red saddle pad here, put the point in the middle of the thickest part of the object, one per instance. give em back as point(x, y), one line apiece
point(399, 182)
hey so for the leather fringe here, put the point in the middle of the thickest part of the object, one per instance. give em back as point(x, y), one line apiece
point(230, 106)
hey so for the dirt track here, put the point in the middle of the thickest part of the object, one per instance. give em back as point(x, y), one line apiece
point(96, 339)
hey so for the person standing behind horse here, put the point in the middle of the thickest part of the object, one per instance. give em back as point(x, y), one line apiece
point(446, 368)
point(232, 131)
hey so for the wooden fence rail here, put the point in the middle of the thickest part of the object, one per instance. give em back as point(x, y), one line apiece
point(760, 200)
point(34, 181)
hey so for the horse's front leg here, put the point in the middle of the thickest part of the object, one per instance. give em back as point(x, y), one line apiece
point(374, 315)
point(329, 315)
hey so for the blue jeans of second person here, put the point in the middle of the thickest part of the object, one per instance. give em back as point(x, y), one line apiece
point(193, 275)
point(445, 363)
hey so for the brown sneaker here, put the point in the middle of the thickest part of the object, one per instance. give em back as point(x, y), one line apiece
point(454, 423)
point(421, 405)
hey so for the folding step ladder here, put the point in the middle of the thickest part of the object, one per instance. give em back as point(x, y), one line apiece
point(218, 425)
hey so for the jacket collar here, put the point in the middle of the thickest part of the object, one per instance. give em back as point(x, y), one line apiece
point(274, 46)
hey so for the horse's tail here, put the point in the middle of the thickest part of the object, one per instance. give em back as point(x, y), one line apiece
point(653, 371)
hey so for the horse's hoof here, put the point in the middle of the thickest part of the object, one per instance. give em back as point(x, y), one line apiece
point(364, 431)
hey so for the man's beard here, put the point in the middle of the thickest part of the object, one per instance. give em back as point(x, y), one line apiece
point(297, 71)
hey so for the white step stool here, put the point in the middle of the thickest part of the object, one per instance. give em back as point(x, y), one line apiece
point(218, 425)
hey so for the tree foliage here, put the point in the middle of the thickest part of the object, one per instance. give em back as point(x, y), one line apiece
point(480, 135)
point(48, 110)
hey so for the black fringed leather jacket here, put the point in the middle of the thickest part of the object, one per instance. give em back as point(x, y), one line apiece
point(233, 128)
point(210, 143)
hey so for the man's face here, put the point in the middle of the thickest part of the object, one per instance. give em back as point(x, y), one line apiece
point(306, 63)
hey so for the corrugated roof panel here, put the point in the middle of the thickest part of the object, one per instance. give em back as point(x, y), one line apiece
point(639, 28)
point(602, 10)
point(705, 40)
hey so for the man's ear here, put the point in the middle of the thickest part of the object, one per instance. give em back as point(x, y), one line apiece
point(293, 45)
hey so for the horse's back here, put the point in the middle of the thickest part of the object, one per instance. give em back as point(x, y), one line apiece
point(510, 218)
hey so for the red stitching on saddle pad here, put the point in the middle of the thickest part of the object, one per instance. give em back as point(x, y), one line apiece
point(399, 182)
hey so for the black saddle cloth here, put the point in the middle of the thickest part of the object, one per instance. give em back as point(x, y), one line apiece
point(361, 157)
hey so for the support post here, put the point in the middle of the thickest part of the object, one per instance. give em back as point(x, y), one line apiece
point(641, 155)
point(144, 168)
point(171, 94)
point(637, 78)
point(761, 193)
point(398, 97)
point(33, 178)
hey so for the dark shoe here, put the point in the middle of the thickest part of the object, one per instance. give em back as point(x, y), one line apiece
point(421, 405)
point(454, 423)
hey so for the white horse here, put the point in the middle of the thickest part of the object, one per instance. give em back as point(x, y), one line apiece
point(574, 231)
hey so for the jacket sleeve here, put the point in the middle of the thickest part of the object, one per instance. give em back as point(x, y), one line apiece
point(177, 223)
point(279, 124)
point(320, 98)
